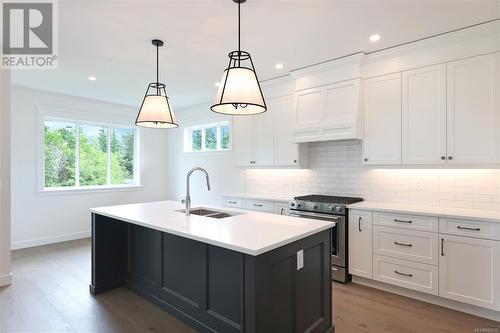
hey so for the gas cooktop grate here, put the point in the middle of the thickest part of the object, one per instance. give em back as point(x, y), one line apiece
point(329, 199)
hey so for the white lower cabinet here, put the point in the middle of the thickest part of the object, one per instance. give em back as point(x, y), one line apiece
point(457, 259)
point(360, 243)
point(405, 273)
point(469, 270)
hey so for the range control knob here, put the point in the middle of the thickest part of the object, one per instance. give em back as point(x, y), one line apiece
point(298, 205)
point(338, 209)
point(331, 207)
point(315, 206)
point(291, 204)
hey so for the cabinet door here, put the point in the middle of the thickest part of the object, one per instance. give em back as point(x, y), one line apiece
point(382, 112)
point(360, 243)
point(286, 152)
point(310, 107)
point(243, 140)
point(263, 137)
point(424, 115)
point(474, 110)
point(469, 270)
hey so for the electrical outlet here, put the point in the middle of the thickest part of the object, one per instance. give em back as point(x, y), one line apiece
point(300, 259)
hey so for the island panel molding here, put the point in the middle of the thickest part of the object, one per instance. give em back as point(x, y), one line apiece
point(215, 289)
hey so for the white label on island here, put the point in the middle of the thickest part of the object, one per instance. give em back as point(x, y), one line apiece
point(300, 259)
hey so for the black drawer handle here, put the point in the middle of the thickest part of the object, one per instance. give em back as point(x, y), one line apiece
point(359, 224)
point(442, 246)
point(404, 274)
point(257, 205)
point(403, 221)
point(402, 244)
point(232, 202)
point(465, 228)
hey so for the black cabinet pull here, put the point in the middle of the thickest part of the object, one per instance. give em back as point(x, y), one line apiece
point(232, 202)
point(257, 205)
point(282, 210)
point(466, 228)
point(450, 157)
point(403, 221)
point(442, 246)
point(443, 158)
point(399, 273)
point(403, 244)
point(359, 224)
point(366, 160)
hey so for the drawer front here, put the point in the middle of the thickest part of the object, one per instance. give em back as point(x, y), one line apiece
point(419, 246)
point(407, 274)
point(470, 228)
point(233, 202)
point(406, 221)
point(265, 206)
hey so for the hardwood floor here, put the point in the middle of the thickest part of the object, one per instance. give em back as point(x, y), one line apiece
point(50, 294)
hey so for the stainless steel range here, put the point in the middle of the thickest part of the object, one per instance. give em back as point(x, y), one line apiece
point(328, 208)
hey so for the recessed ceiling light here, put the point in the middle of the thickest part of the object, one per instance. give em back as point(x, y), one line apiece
point(278, 66)
point(374, 38)
point(92, 78)
point(217, 84)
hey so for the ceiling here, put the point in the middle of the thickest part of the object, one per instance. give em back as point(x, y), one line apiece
point(111, 40)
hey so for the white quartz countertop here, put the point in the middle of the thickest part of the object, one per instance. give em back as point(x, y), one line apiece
point(261, 196)
point(252, 233)
point(460, 213)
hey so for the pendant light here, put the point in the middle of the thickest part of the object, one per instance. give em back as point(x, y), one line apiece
point(155, 111)
point(239, 90)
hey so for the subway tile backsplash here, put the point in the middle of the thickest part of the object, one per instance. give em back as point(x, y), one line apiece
point(335, 168)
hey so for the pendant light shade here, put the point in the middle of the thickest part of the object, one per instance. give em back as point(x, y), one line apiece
point(156, 111)
point(239, 90)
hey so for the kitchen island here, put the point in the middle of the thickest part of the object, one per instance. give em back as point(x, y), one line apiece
point(247, 272)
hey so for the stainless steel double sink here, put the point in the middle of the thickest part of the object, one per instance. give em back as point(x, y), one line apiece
point(206, 212)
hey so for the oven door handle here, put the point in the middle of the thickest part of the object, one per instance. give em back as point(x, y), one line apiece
point(307, 214)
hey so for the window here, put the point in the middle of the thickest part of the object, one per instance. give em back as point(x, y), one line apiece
point(82, 155)
point(207, 138)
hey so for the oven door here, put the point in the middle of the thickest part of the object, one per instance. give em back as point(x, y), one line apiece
point(337, 233)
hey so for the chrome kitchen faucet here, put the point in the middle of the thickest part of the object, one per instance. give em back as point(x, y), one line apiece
point(187, 199)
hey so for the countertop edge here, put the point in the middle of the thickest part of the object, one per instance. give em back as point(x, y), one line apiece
point(445, 212)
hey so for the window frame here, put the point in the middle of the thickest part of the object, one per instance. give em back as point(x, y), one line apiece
point(84, 118)
point(188, 138)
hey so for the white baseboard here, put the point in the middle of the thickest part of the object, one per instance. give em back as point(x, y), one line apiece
point(49, 240)
point(444, 302)
point(5, 279)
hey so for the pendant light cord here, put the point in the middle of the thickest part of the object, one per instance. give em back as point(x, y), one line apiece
point(157, 70)
point(239, 34)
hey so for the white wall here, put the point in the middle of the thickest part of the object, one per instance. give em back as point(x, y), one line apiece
point(5, 169)
point(39, 218)
point(224, 176)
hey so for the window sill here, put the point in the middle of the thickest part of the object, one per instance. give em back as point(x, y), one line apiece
point(208, 152)
point(87, 190)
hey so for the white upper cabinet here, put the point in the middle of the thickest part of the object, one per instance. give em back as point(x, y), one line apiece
point(263, 136)
point(382, 114)
point(253, 138)
point(286, 152)
point(424, 115)
point(474, 110)
point(243, 140)
point(329, 112)
point(267, 139)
